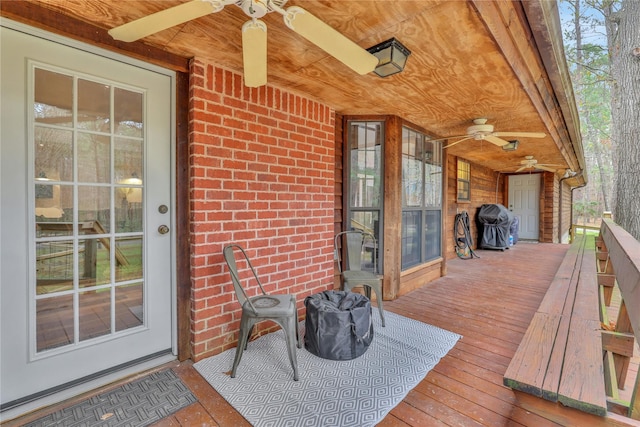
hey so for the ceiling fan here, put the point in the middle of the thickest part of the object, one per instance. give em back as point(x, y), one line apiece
point(530, 163)
point(254, 33)
point(481, 131)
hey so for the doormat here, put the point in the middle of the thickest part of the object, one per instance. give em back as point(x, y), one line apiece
point(357, 392)
point(135, 404)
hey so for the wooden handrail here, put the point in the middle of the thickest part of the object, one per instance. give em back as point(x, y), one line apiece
point(619, 259)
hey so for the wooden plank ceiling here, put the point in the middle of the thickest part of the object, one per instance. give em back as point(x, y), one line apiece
point(459, 68)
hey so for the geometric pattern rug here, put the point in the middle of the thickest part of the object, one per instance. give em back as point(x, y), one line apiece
point(357, 392)
point(136, 404)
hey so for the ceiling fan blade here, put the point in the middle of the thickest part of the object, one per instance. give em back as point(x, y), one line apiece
point(448, 137)
point(457, 142)
point(162, 20)
point(544, 168)
point(330, 40)
point(521, 169)
point(254, 53)
point(520, 134)
point(495, 140)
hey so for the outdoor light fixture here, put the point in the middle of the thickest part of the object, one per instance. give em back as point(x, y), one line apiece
point(511, 146)
point(392, 57)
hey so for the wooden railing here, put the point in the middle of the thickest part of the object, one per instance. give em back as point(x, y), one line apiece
point(618, 263)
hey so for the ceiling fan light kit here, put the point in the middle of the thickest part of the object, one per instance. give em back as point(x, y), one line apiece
point(511, 146)
point(254, 33)
point(392, 57)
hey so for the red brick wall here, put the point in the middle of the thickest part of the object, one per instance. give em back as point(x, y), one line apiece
point(262, 175)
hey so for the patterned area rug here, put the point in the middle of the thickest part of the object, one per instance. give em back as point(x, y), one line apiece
point(135, 404)
point(358, 392)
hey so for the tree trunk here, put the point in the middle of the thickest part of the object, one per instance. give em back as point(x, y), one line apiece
point(626, 116)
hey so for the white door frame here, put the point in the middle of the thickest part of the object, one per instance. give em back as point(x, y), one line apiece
point(524, 203)
point(108, 376)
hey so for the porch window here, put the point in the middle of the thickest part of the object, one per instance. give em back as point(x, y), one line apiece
point(464, 181)
point(365, 177)
point(421, 198)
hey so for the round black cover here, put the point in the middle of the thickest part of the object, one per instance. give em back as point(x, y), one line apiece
point(338, 325)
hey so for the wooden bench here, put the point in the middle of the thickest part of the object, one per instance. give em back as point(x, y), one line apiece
point(560, 356)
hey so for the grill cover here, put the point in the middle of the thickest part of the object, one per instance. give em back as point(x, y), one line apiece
point(338, 325)
point(494, 223)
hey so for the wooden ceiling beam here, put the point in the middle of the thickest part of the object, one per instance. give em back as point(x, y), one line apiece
point(504, 20)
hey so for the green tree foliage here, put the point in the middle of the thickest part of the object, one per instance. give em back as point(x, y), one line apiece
point(599, 37)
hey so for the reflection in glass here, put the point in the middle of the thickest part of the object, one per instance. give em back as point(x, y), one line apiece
point(95, 313)
point(94, 209)
point(432, 235)
point(128, 161)
point(411, 232)
point(365, 141)
point(94, 155)
point(433, 174)
point(94, 266)
point(412, 173)
point(129, 258)
point(128, 113)
point(53, 154)
point(54, 322)
point(94, 106)
point(54, 210)
point(53, 93)
point(54, 267)
point(128, 209)
point(129, 306)
point(79, 193)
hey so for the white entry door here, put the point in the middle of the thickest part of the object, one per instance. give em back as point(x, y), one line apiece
point(85, 220)
point(524, 203)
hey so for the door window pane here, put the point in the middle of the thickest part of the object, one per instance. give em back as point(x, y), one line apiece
point(94, 262)
point(128, 167)
point(54, 322)
point(94, 209)
point(54, 266)
point(94, 153)
point(53, 154)
point(128, 258)
point(128, 113)
point(95, 313)
point(53, 103)
point(94, 106)
point(129, 306)
point(53, 209)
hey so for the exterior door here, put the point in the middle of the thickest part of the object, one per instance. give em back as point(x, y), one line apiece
point(85, 220)
point(524, 202)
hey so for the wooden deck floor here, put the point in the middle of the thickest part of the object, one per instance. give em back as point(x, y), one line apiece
point(489, 301)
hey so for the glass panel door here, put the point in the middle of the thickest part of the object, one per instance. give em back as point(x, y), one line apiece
point(86, 215)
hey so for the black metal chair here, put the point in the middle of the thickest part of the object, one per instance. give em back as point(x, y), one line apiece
point(279, 308)
point(357, 243)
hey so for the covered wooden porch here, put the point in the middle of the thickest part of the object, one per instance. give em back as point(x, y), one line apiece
point(489, 300)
